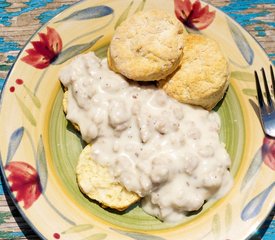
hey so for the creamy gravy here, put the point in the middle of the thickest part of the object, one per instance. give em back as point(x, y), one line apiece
point(167, 152)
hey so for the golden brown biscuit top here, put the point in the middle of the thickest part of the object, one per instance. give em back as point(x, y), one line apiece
point(203, 75)
point(147, 46)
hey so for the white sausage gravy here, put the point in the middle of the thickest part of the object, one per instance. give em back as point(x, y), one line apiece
point(167, 152)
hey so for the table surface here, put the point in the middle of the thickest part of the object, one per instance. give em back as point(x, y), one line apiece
point(19, 19)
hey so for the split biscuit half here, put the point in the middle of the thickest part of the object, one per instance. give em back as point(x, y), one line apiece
point(97, 183)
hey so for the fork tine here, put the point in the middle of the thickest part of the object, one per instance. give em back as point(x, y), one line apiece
point(268, 96)
point(259, 94)
point(272, 79)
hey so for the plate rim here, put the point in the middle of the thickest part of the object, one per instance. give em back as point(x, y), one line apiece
point(23, 48)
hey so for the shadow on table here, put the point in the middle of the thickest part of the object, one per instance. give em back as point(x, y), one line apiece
point(24, 227)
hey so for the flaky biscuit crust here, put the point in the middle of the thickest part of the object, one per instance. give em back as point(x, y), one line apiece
point(65, 108)
point(96, 182)
point(147, 46)
point(202, 78)
point(103, 188)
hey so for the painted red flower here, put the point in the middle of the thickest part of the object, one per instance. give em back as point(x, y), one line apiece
point(268, 152)
point(25, 181)
point(45, 50)
point(193, 15)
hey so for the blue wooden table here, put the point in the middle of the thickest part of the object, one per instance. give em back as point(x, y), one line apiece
point(19, 19)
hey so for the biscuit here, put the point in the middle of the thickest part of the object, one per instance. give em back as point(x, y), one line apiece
point(202, 78)
point(147, 46)
point(102, 186)
point(95, 181)
point(65, 108)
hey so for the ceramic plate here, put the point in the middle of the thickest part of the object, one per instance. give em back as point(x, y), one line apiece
point(39, 148)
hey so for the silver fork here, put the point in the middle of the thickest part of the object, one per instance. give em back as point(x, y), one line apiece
point(267, 110)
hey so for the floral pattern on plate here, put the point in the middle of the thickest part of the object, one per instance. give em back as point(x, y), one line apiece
point(45, 50)
point(194, 15)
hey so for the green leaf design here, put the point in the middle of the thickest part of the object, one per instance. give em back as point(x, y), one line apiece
point(242, 76)
point(228, 216)
point(97, 236)
point(26, 111)
point(29, 136)
point(140, 6)
point(250, 92)
point(41, 164)
point(102, 52)
point(124, 15)
point(78, 228)
point(216, 226)
point(139, 236)
point(73, 51)
point(89, 13)
point(34, 98)
point(252, 169)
